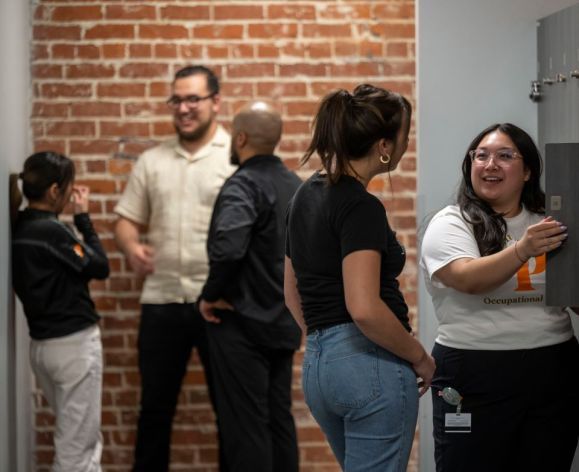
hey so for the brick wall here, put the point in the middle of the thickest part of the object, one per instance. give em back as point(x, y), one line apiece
point(101, 71)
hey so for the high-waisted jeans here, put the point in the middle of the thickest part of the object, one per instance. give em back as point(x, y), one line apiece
point(364, 398)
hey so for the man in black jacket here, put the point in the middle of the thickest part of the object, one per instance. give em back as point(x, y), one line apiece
point(252, 336)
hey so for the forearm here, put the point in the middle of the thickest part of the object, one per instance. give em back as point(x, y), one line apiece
point(381, 326)
point(97, 263)
point(481, 274)
point(293, 300)
point(127, 234)
point(220, 275)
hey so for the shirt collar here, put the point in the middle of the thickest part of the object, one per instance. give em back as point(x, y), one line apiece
point(220, 140)
point(258, 159)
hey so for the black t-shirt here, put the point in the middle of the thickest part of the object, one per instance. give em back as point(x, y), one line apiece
point(326, 223)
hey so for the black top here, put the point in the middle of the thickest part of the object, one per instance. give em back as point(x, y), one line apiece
point(326, 223)
point(51, 269)
point(246, 246)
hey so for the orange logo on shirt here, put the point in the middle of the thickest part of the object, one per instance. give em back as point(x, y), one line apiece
point(78, 250)
point(524, 274)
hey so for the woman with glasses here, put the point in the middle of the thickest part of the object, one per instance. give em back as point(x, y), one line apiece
point(506, 391)
point(342, 263)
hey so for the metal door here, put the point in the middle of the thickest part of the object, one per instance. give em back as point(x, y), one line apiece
point(558, 120)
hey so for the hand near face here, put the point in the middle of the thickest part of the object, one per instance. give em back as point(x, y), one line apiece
point(79, 197)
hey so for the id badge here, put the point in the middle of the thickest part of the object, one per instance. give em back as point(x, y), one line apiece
point(457, 423)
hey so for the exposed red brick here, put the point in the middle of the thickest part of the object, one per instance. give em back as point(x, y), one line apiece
point(344, 11)
point(105, 31)
point(70, 128)
point(42, 32)
point(96, 109)
point(319, 30)
point(76, 13)
point(143, 70)
point(83, 71)
point(250, 70)
point(391, 10)
point(281, 89)
point(87, 51)
point(118, 89)
point(393, 30)
point(101, 73)
point(130, 12)
point(222, 32)
point(115, 128)
point(163, 32)
point(273, 30)
point(311, 70)
point(140, 50)
point(165, 50)
point(238, 11)
point(192, 51)
point(50, 110)
point(114, 51)
point(291, 12)
point(193, 12)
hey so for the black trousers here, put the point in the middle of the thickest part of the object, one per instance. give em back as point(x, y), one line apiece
point(252, 385)
point(524, 406)
point(167, 335)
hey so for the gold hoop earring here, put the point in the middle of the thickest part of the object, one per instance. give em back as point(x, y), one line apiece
point(385, 159)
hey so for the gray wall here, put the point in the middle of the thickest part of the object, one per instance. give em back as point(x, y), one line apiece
point(475, 63)
point(15, 431)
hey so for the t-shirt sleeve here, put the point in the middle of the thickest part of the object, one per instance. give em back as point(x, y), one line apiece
point(447, 238)
point(134, 203)
point(362, 225)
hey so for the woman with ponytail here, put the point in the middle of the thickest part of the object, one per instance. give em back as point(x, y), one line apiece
point(51, 271)
point(361, 363)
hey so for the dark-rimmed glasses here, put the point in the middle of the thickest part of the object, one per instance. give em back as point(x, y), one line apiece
point(190, 101)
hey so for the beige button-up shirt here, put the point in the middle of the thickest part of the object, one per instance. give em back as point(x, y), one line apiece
point(172, 192)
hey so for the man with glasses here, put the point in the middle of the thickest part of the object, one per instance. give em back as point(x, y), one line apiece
point(164, 216)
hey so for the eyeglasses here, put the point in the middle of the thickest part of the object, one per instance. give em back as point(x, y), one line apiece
point(502, 156)
point(190, 101)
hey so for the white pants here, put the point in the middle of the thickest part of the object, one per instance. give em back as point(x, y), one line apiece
point(69, 372)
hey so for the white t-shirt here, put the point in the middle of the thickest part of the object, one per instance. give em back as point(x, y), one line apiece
point(513, 316)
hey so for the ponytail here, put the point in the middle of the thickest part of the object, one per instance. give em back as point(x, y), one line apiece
point(348, 125)
point(15, 198)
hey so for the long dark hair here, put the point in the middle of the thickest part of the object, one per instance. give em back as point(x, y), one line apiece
point(490, 227)
point(348, 125)
point(41, 170)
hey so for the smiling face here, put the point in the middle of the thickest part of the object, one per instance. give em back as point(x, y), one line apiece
point(497, 183)
point(194, 122)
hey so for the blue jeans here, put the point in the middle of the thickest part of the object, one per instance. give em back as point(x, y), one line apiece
point(364, 398)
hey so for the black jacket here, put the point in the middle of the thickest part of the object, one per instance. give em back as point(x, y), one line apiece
point(246, 245)
point(51, 269)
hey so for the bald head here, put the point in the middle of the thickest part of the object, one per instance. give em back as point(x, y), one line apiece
point(261, 124)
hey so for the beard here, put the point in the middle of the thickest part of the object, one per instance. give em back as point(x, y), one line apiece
point(233, 157)
point(196, 134)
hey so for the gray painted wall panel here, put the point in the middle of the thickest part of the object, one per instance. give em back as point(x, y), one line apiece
point(561, 176)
